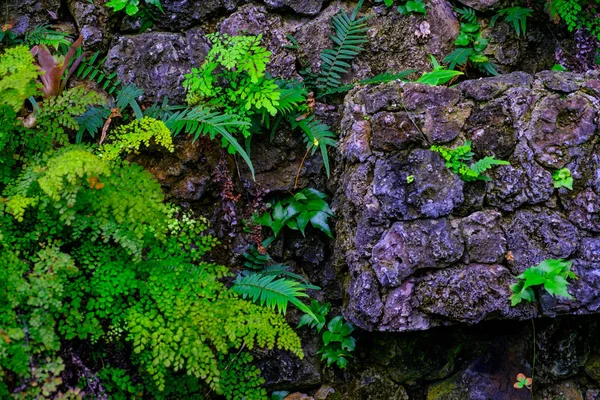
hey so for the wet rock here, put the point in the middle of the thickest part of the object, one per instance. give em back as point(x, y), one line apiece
point(373, 385)
point(364, 307)
point(183, 14)
point(490, 88)
point(492, 130)
point(592, 367)
point(468, 294)
point(484, 237)
point(560, 128)
point(562, 347)
point(308, 7)
point(25, 15)
point(535, 236)
point(393, 131)
point(489, 377)
point(157, 61)
point(567, 390)
point(93, 23)
point(433, 192)
point(522, 182)
point(483, 5)
point(409, 246)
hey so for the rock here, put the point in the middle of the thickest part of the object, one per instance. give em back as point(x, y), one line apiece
point(24, 15)
point(364, 307)
point(93, 23)
point(409, 246)
point(484, 379)
point(433, 192)
point(469, 294)
point(181, 15)
point(567, 390)
point(393, 44)
point(308, 7)
point(592, 367)
point(484, 237)
point(560, 129)
point(533, 237)
point(484, 5)
point(562, 348)
point(157, 61)
point(372, 385)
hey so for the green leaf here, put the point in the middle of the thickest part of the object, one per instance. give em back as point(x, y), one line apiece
point(318, 219)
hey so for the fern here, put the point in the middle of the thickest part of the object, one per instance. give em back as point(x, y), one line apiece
point(88, 69)
point(43, 35)
point(467, 14)
point(459, 56)
point(200, 121)
point(384, 77)
point(486, 163)
point(349, 35)
point(274, 293)
point(127, 96)
point(317, 135)
point(516, 16)
point(91, 121)
point(292, 97)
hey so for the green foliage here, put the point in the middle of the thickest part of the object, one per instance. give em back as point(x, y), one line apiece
point(91, 68)
point(320, 311)
point(18, 75)
point(516, 16)
point(130, 137)
point(558, 68)
point(272, 292)
point(457, 161)
point(91, 253)
point(470, 44)
point(563, 178)
point(350, 33)
point(552, 274)
point(577, 14)
point(338, 342)
point(137, 8)
point(295, 212)
point(42, 34)
point(413, 6)
point(439, 75)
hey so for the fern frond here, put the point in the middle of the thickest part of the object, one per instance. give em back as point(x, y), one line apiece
point(271, 292)
point(291, 98)
point(350, 33)
point(91, 121)
point(200, 121)
point(459, 56)
point(89, 69)
point(317, 135)
point(42, 34)
point(127, 96)
point(486, 163)
point(467, 14)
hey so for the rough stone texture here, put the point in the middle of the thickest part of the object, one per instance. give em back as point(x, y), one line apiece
point(93, 22)
point(158, 61)
point(25, 15)
point(184, 14)
point(305, 7)
point(438, 250)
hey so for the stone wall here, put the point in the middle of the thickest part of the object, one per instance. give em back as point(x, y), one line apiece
point(438, 250)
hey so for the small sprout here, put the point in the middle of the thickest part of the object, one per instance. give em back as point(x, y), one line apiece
point(563, 178)
point(410, 179)
point(523, 382)
point(366, 117)
point(558, 68)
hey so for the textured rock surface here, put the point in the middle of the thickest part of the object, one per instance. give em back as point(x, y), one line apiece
point(158, 61)
point(437, 250)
